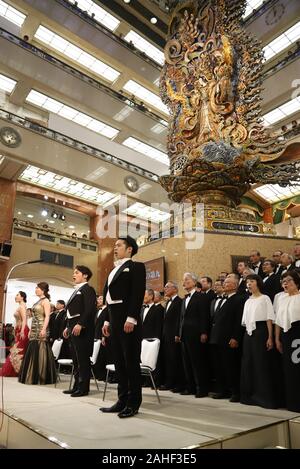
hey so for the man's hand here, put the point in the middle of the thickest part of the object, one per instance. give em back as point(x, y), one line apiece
point(203, 338)
point(65, 333)
point(177, 339)
point(76, 329)
point(128, 327)
point(233, 343)
point(105, 330)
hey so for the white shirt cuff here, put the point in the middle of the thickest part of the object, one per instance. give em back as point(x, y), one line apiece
point(106, 323)
point(132, 320)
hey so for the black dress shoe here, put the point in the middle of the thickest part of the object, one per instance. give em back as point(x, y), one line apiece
point(79, 393)
point(177, 390)
point(116, 408)
point(164, 388)
point(218, 395)
point(128, 412)
point(69, 391)
point(234, 398)
point(201, 394)
point(186, 392)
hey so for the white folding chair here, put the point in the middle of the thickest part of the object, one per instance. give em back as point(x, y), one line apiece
point(56, 349)
point(149, 355)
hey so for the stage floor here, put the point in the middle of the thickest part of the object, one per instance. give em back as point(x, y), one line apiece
point(178, 422)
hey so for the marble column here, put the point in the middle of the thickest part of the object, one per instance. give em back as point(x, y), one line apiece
point(7, 205)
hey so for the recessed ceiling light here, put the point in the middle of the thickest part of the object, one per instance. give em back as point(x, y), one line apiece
point(153, 20)
point(29, 216)
point(72, 227)
point(51, 221)
point(126, 1)
point(44, 212)
point(19, 213)
point(45, 197)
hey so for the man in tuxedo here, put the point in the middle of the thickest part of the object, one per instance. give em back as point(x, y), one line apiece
point(256, 263)
point(296, 265)
point(225, 339)
point(124, 292)
point(193, 333)
point(272, 284)
point(287, 262)
point(206, 283)
point(81, 312)
point(276, 256)
point(171, 349)
point(152, 317)
point(105, 355)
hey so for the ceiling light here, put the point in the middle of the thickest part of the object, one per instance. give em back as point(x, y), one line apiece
point(57, 107)
point(54, 214)
point(251, 6)
point(44, 212)
point(62, 217)
point(153, 20)
point(45, 197)
point(51, 221)
point(71, 227)
point(289, 37)
point(29, 216)
point(19, 213)
point(274, 193)
point(126, 1)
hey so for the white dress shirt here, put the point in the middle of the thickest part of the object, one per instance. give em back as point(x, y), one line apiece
point(257, 308)
point(109, 301)
point(170, 302)
point(146, 310)
point(188, 298)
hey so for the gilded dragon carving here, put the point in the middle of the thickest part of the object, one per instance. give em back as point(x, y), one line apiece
point(211, 83)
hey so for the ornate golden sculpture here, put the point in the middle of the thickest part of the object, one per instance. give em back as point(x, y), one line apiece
point(211, 83)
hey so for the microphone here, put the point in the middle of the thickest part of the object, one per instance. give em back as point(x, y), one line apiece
point(34, 262)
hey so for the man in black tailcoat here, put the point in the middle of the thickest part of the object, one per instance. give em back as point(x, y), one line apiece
point(123, 293)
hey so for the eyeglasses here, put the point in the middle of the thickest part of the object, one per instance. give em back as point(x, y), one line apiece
point(287, 280)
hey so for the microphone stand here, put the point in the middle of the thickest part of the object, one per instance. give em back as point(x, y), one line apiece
point(6, 284)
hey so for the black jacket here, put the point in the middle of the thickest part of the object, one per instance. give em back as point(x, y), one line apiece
point(272, 286)
point(153, 322)
point(226, 323)
point(172, 320)
point(83, 302)
point(128, 285)
point(195, 318)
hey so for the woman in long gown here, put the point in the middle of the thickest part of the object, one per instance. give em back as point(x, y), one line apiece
point(38, 366)
point(287, 335)
point(259, 385)
point(12, 365)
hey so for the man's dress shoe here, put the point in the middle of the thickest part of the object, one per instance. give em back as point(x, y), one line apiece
point(127, 412)
point(116, 408)
point(79, 393)
point(69, 391)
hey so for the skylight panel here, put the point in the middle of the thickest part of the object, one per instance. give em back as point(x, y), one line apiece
point(7, 84)
point(286, 109)
point(274, 193)
point(145, 46)
point(145, 95)
point(75, 53)
point(11, 14)
point(147, 150)
point(101, 15)
point(251, 6)
point(280, 43)
point(47, 179)
point(70, 113)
